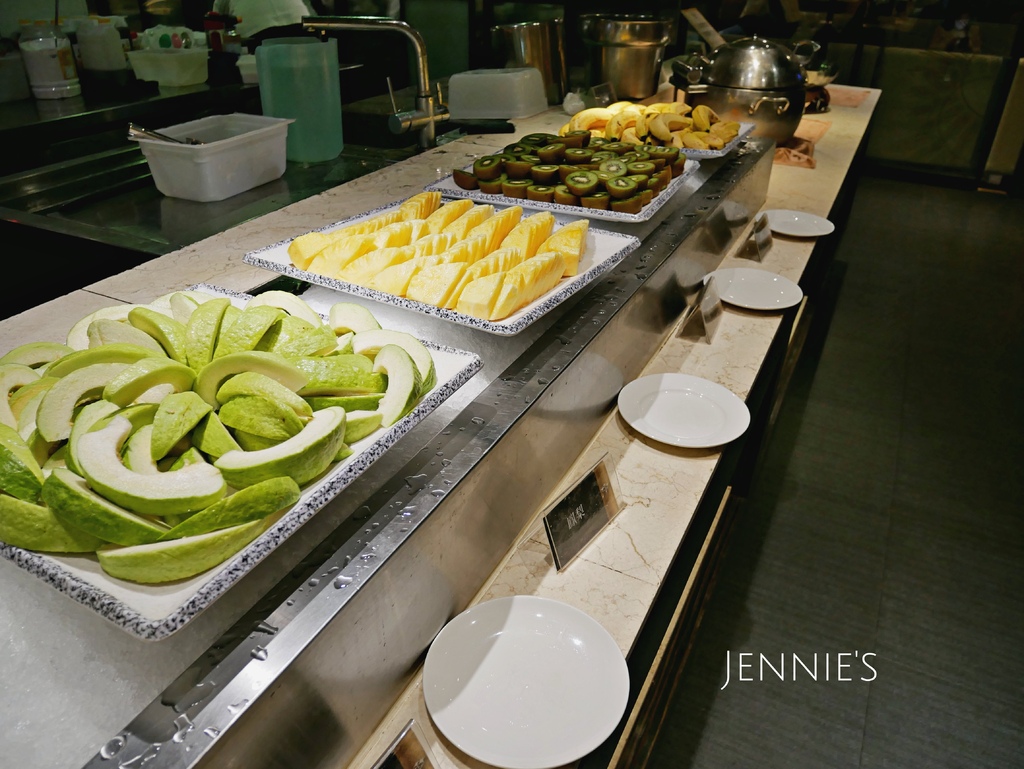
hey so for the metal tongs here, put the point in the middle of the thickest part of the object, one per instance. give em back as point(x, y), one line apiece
point(138, 132)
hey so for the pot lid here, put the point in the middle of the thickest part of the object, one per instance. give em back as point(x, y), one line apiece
point(754, 62)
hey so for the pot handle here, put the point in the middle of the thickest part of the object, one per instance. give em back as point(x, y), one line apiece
point(781, 102)
point(803, 58)
point(690, 67)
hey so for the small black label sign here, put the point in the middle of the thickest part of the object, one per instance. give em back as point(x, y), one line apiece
point(574, 520)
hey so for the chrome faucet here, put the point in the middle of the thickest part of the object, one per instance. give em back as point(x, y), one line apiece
point(429, 109)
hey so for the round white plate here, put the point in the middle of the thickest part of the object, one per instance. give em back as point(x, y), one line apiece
point(525, 683)
point(755, 289)
point(683, 410)
point(798, 224)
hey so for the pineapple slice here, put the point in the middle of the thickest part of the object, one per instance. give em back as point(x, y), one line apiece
point(397, 234)
point(434, 284)
point(360, 271)
point(447, 214)
point(571, 243)
point(419, 206)
point(335, 257)
point(474, 216)
point(528, 281)
point(303, 248)
point(478, 297)
point(496, 228)
point(530, 233)
point(395, 279)
point(434, 244)
point(469, 250)
point(496, 261)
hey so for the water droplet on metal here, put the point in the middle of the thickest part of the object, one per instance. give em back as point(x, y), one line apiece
point(266, 627)
point(543, 381)
point(367, 556)
point(477, 420)
point(259, 653)
point(438, 492)
point(445, 462)
point(143, 758)
point(313, 582)
point(342, 580)
point(238, 707)
point(403, 529)
point(212, 732)
point(112, 748)
point(183, 726)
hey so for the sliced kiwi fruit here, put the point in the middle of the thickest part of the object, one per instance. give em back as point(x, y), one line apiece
point(614, 167)
point(630, 205)
point(492, 186)
point(465, 179)
point(564, 196)
point(544, 173)
point(515, 188)
point(582, 183)
point(542, 193)
point(488, 167)
point(645, 167)
point(599, 201)
point(620, 187)
point(551, 153)
point(575, 156)
point(519, 169)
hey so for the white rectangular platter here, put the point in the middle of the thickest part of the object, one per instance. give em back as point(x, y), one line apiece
point(152, 612)
point(604, 250)
point(450, 189)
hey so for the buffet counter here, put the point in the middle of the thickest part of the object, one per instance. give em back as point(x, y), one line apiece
point(67, 700)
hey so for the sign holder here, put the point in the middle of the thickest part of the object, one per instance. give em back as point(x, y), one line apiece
point(407, 751)
point(581, 513)
point(703, 320)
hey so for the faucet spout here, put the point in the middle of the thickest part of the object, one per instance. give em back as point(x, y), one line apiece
point(428, 111)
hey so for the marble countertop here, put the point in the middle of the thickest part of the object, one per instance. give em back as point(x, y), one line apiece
point(616, 579)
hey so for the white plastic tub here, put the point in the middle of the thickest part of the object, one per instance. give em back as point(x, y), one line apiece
point(496, 93)
point(240, 152)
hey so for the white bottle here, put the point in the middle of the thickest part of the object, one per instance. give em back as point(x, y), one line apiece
point(49, 61)
point(100, 44)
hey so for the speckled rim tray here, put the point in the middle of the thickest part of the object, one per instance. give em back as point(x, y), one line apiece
point(450, 189)
point(604, 250)
point(153, 612)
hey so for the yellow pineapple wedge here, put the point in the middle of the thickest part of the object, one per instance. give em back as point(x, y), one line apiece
point(478, 297)
point(496, 261)
point(434, 244)
point(447, 214)
point(335, 257)
point(397, 234)
point(420, 206)
point(434, 284)
point(395, 279)
point(530, 233)
point(304, 248)
point(497, 227)
point(469, 250)
point(571, 242)
point(474, 216)
point(528, 281)
point(363, 269)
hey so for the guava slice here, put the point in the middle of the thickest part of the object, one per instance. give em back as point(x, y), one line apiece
point(368, 343)
point(290, 303)
point(302, 457)
point(20, 473)
point(121, 352)
point(359, 424)
point(12, 377)
point(203, 330)
point(34, 354)
point(249, 504)
point(261, 416)
point(247, 330)
point(183, 491)
point(70, 497)
point(212, 438)
point(404, 383)
point(34, 527)
point(254, 383)
point(175, 418)
point(103, 331)
point(349, 316)
point(148, 373)
point(56, 410)
point(178, 558)
point(214, 373)
point(164, 329)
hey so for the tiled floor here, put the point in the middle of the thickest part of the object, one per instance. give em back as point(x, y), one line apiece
point(888, 516)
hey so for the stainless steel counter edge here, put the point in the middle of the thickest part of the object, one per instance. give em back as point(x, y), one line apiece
point(306, 684)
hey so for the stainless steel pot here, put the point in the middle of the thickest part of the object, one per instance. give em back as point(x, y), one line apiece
point(750, 80)
point(626, 50)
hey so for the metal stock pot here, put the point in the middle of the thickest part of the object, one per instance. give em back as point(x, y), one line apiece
point(750, 80)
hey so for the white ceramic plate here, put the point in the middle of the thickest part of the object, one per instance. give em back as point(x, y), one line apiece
point(756, 289)
point(603, 251)
point(683, 410)
point(450, 189)
point(153, 612)
point(525, 683)
point(798, 224)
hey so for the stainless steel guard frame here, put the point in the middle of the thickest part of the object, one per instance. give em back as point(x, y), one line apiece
point(305, 682)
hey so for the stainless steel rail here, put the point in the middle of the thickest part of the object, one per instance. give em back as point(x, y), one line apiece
point(304, 681)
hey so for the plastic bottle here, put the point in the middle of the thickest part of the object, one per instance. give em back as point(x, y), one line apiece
point(49, 61)
point(100, 45)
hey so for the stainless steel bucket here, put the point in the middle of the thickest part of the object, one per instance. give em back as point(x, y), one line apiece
point(539, 44)
point(626, 50)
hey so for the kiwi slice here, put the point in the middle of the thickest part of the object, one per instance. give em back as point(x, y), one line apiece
point(516, 188)
point(518, 149)
point(600, 156)
point(630, 205)
point(575, 139)
point(599, 200)
point(538, 139)
point(665, 175)
point(640, 179)
point(582, 183)
point(544, 173)
point(542, 193)
point(645, 167)
point(564, 196)
point(488, 167)
point(646, 196)
point(465, 179)
point(576, 156)
point(597, 141)
point(565, 170)
point(619, 148)
point(520, 168)
point(492, 186)
point(551, 153)
point(678, 166)
point(620, 187)
point(614, 167)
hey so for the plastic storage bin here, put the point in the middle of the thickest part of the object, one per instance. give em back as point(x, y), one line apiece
point(173, 67)
point(496, 93)
point(240, 152)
